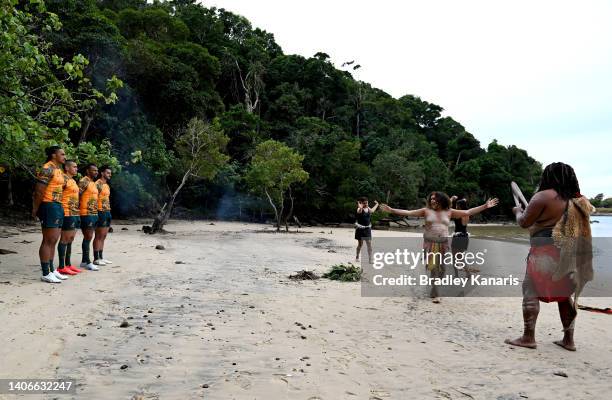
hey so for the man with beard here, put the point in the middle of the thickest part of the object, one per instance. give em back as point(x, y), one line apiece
point(47, 207)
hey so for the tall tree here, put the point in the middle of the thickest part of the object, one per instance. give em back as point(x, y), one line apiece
point(272, 172)
point(199, 155)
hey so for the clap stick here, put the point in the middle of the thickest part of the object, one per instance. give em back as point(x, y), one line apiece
point(518, 195)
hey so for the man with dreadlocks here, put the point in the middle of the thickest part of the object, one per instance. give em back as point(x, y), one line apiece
point(556, 213)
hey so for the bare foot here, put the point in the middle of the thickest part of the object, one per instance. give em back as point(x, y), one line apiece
point(567, 346)
point(435, 300)
point(522, 342)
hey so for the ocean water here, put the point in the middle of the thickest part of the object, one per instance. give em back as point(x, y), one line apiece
point(603, 226)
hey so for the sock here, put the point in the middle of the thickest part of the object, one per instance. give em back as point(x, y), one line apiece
point(51, 267)
point(96, 255)
point(68, 252)
point(85, 248)
point(61, 252)
point(45, 268)
point(100, 252)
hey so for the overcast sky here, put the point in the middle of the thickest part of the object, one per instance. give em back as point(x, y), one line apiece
point(537, 74)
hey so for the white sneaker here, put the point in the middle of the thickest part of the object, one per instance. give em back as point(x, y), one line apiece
point(106, 261)
point(89, 266)
point(59, 276)
point(50, 278)
point(99, 262)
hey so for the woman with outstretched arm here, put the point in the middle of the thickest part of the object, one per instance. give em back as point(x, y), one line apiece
point(438, 215)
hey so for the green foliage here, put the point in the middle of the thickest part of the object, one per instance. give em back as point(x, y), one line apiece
point(597, 200)
point(130, 195)
point(154, 23)
point(274, 168)
point(242, 129)
point(397, 177)
point(41, 94)
point(100, 155)
point(200, 149)
point(600, 202)
point(344, 273)
point(87, 74)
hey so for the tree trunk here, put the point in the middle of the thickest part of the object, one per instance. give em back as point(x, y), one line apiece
point(275, 209)
point(458, 159)
point(164, 214)
point(85, 129)
point(9, 189)
point(280, 214)
point(290, 213)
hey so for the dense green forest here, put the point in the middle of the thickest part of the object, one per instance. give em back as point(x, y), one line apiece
point(118, 81)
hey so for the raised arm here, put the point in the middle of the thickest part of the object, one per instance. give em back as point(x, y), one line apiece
point(526, 218)
point(476, 210)
point(375, 206)
point(404, 213)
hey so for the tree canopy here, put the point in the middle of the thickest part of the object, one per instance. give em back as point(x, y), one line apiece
point(120, 79)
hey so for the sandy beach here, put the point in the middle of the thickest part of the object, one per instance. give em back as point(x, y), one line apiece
point(214, 316)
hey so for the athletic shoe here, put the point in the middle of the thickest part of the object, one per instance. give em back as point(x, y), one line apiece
point(66, 271)
point(89, 266)
point(99, 262)
point(74, 269)
point(50, 278)
point(58, 275)
point(106, 261)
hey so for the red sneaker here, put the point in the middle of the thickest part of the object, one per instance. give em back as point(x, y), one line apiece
point(66, 271)
point(73, 268)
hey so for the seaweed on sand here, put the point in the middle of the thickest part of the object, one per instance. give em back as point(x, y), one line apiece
point(304, 275)
point(344, 272)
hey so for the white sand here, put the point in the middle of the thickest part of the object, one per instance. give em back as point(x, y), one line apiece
point(228, 319)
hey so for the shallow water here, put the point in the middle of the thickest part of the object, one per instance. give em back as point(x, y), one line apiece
point(601, 227)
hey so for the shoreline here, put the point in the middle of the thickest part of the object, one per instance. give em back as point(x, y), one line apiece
point(227, 322)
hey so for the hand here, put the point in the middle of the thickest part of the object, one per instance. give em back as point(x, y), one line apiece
point(492, 202)
point(375, 202)
point(385, 208)
point(34, 216)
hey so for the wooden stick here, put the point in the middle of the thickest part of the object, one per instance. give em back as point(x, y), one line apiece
point(518, 195)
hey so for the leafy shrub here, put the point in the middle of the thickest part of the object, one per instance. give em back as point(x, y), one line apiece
point(344, 273)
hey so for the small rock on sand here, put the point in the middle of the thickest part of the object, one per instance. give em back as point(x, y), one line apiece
point(124, 324)
point(160, 247)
